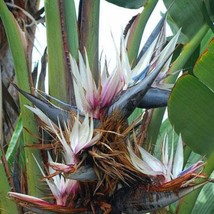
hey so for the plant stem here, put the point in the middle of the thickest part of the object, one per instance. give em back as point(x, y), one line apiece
point(186, 53)
point(56, 60)
point(71, 27)
point(89, 33)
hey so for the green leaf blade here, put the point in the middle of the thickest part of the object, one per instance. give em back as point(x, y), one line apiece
point(191, 113)
point(13, 145)
point(89, 34)
point(204, 67)
point(71, 27)
point(187, 15)
point(56, 62)
point(14, 36)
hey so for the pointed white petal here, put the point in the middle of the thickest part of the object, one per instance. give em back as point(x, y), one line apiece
point(41, 115)
point(113, 85)
point(74, 135)
point(166, 52)
point(141, 165)
point(68, 153)
point(63, 186)
point(55, 191)
point(165, 150)
point(81, 135)
point(152, 161)
point(170, 162)
point(28, 199)
point(145, 59)
point(178, 159)
point(79, 90)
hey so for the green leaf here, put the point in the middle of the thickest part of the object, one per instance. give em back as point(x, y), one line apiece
point(191, 113)
point(204, 68)
point(7, 206)
point(204, 204)
point(186, 205)
point(208, 13)
point(131, 4)
point(165, 129)
point(89, 33)
point(56, 62)
point(209, 4)
point(205, 41)
point(187, 15)
point(71, 27)
point(15, 39)
point(182, 58)
point(135, 114)
point(191, 104)
point(14, 142)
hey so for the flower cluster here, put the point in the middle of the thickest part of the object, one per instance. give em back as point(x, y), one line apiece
point(94, 99)
point(74, 138)
point(104, 148)
point(169, 168)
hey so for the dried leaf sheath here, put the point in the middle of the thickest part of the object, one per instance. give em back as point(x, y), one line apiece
point(110, 155)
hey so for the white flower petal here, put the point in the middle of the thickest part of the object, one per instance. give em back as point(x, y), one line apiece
point(68, 153)
point(29, 199)
point(178, 159)
point(79, 90)
point(53, 187)
point(165, 54)
point(81, 135)
point(61, 187)
point(41, 115)
point(165, 150)
point(111, 88)
point(170, 162)
point(145, 59)
point(153, 162)
point(141, 165)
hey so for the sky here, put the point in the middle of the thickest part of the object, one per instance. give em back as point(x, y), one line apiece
point(113, 20)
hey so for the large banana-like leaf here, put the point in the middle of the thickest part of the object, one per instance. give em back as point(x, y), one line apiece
point(204, 69)
point(191, 113)
point(191, 105)
point(188, 15)
point(204, 203)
